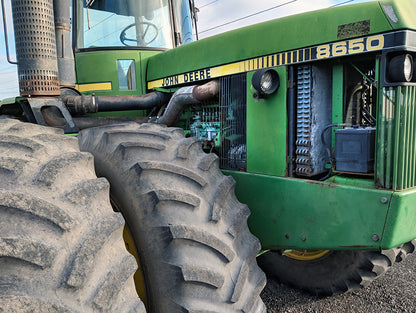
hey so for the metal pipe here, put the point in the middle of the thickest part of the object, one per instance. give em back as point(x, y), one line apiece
point(185, 97)
point(35, 47)
point(6, 39)
point(65, 56)
point(82, 104)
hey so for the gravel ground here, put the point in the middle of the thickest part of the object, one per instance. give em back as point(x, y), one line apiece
point(393, 292)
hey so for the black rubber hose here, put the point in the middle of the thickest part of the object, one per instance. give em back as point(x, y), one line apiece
point(82, 104)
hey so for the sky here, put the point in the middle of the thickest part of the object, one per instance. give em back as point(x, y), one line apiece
point(215, 16)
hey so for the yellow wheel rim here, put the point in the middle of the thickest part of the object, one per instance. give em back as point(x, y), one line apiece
point(305, 255)
point(129, 243)
point(138, 276)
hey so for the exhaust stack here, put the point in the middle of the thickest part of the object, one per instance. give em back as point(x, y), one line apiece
point(36, 47)
point(65, 56)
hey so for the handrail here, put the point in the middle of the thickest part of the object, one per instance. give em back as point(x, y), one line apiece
point(3, 10)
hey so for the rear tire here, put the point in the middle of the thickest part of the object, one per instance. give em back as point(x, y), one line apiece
point(335, 272)
point(190, 231)
point(61, 247)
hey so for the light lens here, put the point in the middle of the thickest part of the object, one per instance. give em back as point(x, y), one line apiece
point(400, 68)
point(408, 70)
point(265, 81)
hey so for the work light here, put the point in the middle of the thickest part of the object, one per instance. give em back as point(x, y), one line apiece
point(400, 68)
point(265, 81)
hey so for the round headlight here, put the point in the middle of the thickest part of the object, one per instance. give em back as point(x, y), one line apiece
point(265, 81)
point(401, 68)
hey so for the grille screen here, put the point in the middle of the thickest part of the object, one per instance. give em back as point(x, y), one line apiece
point(396, 160)
point(233, 113)
point(303, 142)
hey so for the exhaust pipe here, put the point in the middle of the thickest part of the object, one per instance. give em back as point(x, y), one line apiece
point(64, 54)
point(82, 104)
point(35, 47)
point(181, 99)
point(185, 97)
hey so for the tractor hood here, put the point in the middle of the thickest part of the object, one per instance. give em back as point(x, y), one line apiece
point(284, 34)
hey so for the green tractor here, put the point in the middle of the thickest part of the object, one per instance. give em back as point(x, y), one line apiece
point(308, 120)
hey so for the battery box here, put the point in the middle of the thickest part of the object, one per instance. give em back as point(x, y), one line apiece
point(354, 149)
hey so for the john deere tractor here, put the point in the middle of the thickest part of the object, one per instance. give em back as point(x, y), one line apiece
point(308, 119)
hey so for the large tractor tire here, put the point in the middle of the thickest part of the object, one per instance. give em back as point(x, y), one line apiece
point(61, 246)
point(325, 272)
point(406, 249)
point(195, 250)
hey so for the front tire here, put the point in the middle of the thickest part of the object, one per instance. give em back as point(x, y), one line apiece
point(190, 231)
point(61, 247)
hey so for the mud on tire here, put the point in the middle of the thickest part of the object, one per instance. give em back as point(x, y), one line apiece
point(190, 231)
point(61, 247)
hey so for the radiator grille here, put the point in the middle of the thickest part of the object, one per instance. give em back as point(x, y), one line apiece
point(303, 142)
point(233, 111)
point(396, 162)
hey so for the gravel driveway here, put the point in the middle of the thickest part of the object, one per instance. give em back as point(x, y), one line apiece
point(394, 292)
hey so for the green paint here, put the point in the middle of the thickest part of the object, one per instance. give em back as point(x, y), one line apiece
point(286, 211)
point(266, 130)
point(337, 97)
point(400, 225)
point(404, 13)
point(379, 131)
point(352, 181)
point(101, 66)
point(305, 214)
point(12, 100)
point(396, 161)
point(279, 35)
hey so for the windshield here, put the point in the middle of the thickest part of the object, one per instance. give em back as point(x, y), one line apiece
point(115, 23)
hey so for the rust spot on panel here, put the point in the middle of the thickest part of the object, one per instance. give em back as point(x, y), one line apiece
point(323, 184)
point(353, 29)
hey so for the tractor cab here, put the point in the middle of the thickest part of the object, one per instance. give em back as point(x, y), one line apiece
point(145, 24)
point(123, 35)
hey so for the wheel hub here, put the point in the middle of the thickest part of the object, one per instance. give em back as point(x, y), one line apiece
point(305, 255)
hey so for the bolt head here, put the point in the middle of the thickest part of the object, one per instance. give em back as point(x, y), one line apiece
point(384, 200)
point(375, 237)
